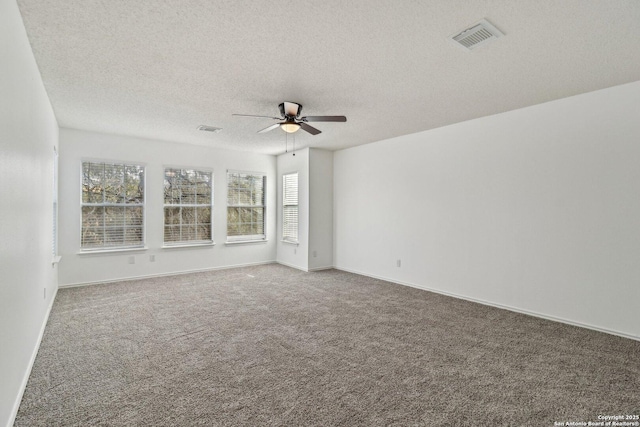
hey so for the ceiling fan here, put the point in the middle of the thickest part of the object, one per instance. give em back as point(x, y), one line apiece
point(290, 120)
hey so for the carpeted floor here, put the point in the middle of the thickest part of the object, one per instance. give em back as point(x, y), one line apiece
point(269, 345)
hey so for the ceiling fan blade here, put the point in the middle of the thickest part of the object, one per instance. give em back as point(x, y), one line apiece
point(259, 117)
point(268, 128)
point(310, 129)
point(324, 119)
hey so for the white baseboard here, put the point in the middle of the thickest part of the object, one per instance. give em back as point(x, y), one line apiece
point(413, 285)
point(504, 307)
point(173, 273)
point(293, 266)
point(32, 360)
point(328, 267)
point(307, 270)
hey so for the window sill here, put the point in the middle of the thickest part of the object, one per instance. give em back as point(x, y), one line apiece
point(289, 242)
point(56, 259)
point(111, 251)
point(189, 245)
point(245, 242)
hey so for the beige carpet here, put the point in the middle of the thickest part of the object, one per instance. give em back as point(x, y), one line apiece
point(269, 345)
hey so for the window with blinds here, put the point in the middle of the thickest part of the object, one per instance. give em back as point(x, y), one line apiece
point(54, 246)
point(188, 203)
point(245, 206)
point(290, 207)
point(112, 206)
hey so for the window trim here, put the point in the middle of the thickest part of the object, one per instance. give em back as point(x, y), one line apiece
point(286, 239)
point(55, 202)
point(188, 243)
point(108, 249)
point(245, 242)
point(248, 238)
point(112, 251)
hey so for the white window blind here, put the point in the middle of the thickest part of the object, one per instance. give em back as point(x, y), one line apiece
point(290, 207)
point(188, 202)
point(245, 206)
point(55, 203)
point(112, 206)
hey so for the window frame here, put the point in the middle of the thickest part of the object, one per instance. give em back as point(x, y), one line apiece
point(285, 237)
point(193, 242)
point(143, 226)
point(247, 238)
point(55, 203)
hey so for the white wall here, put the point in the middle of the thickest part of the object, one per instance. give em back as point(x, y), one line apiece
point(320, 209)
point(78, 268)
point(536, 209)
point(296, 256)
point(28, 134)
point(314, 250)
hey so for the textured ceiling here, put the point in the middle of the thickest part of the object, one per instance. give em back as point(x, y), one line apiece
point(158, 69)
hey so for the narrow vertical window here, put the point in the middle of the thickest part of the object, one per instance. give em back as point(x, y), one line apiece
point(112, 206)
point(188, 203)
point(54, 247)
point(245, 206)
point(290, 207)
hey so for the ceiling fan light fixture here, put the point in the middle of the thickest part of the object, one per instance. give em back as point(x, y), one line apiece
point(291, 122)
point(290, 127)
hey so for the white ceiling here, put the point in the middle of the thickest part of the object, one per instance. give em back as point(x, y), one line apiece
point(158, 69)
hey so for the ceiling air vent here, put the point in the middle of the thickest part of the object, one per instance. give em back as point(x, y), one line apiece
point(478, 34)
point(209, 128)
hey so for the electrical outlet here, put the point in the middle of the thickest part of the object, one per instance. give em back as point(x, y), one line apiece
point(152, 258)
point(398, 263)
point(315, 254)
point(295, 251)
point(132, 260)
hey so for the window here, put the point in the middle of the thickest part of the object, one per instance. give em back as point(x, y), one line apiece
point(245, 206)
point(54, 246)
point(290, 207)
point(188, 204)
point(112, 206)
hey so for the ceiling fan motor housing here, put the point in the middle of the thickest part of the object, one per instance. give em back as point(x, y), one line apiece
point(290, 109)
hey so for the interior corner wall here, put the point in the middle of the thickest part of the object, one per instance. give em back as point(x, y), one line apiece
point(84, 268)
point(296, 256)
point(320, 209)
point(28, 135)
point(536, 210)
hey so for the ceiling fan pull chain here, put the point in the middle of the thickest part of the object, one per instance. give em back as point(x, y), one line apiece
point(294, 144)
